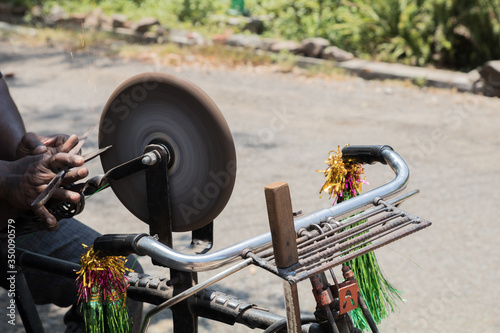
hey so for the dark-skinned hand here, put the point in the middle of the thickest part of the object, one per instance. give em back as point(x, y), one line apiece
point(30, 174)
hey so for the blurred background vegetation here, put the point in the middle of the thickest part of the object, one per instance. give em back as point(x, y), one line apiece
point(458, 34)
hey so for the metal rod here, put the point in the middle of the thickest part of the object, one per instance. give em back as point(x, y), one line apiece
point(373, 246)
point(367, 314)
point(352, 248)
point(191, 291)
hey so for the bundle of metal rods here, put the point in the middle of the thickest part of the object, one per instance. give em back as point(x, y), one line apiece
point(333, 243)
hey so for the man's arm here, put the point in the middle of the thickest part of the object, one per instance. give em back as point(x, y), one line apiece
point(11, 125)
point(22, 179)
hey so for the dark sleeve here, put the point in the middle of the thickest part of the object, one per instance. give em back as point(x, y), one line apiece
point(1, 75)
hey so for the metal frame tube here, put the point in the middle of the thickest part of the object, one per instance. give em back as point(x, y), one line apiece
point(170, 258)
point(191, 291)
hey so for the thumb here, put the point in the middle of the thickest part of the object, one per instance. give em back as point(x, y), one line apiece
point(31, 145)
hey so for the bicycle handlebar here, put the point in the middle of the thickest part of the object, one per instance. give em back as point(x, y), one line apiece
point(364, 154)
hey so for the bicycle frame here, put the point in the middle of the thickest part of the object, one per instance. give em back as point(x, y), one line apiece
point(200, 299)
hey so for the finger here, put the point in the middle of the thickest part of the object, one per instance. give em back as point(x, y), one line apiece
point(62, 160)
point(66, 195)
point(75, 175)
point(54, 140)
point(69, 144)
point(31, 145)
point(46, 217)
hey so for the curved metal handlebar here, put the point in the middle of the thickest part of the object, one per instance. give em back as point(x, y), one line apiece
point(197, 263)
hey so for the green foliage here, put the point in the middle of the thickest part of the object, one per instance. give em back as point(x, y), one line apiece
point(453, 33)
point(447, 33)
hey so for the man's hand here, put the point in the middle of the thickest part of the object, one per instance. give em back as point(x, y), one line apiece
point(33, 173)
point(33, 144)
point(27, 177)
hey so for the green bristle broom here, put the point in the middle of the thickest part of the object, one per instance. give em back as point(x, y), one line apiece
point(344, 180)
point(102, 291)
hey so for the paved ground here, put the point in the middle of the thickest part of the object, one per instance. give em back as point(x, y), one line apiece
point(449, 273)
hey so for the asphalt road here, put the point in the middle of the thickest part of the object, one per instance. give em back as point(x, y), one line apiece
point(283, 126)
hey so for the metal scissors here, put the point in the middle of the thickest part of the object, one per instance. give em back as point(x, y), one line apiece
point(56, 181)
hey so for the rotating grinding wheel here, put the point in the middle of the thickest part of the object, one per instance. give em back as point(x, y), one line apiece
point(163, 109)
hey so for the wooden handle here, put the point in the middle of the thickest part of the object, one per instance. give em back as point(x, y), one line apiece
point(279, 210)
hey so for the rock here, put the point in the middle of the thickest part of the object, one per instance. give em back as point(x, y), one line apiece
point(267, 43)
point(37, 14)
point(490, 72)
point(181, 37)
point(119, 20)
point(239, 21)
point(150, 37)
point(196, 37)
point(255, 26)
point(288, 45)
point(337, 54)
point(221, 38)
point(106, 23)
point(145, 24)
point(56, 15)
point(161, 31)
point(6, 8)
point(249, 41)
point(76, 19)
point(312, 47)
point(129, 34)
point(94, 19)
point(474, 75)
point(19, 10)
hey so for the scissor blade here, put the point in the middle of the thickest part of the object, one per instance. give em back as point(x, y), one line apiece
point(96, 153)
point(56, 181)
point(81, 141)
point(49, 190)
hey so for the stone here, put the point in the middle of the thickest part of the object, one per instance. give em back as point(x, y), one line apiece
point(129, 34)
point(19, 10)
point(150, 37)
point(145, 23)
point(94, 19)
point(267, 43)
point(196, 37)
point(474, 75)
point(337, 54)
point(6, 8)
point(56, 15)
point(288, 45)
point(181, 37)
point(76, 19)
point(37, 14)
point(255, 26)
point(312, 47)
point(119, 20)
point(161, 31)
point(249, 41)
point(239, 21)
point(490, 72)
point(106, 23)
